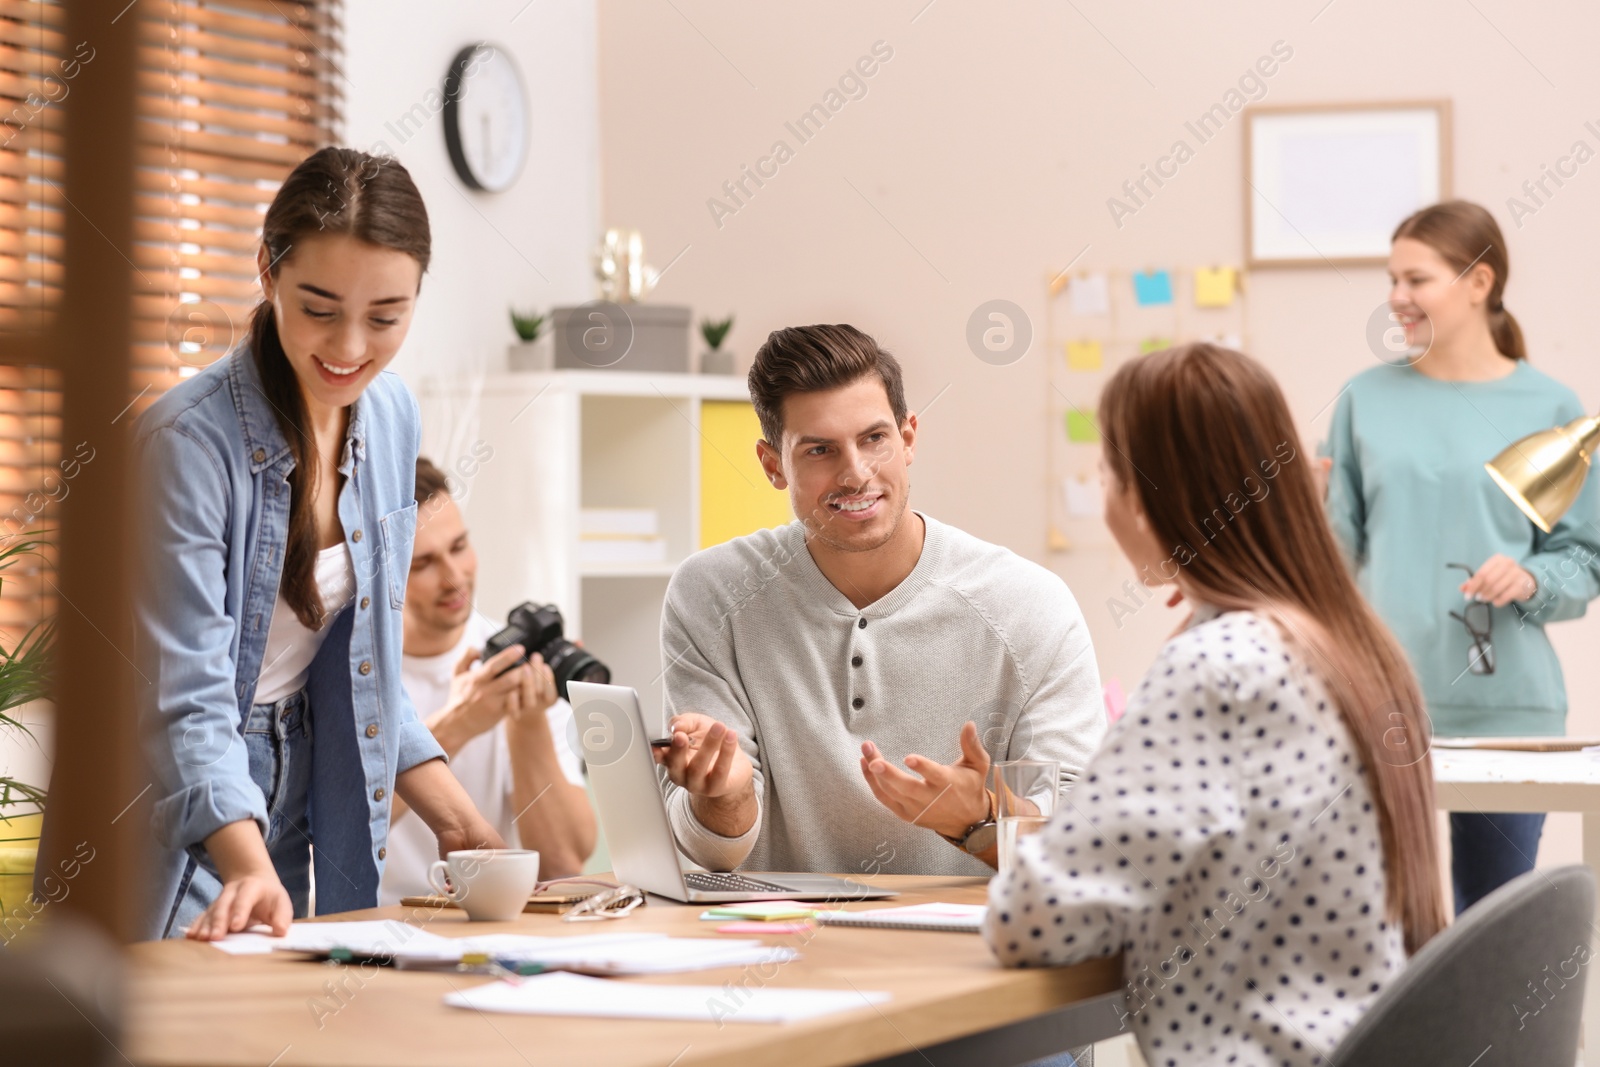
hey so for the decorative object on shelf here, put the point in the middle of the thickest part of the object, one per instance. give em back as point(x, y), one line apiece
point(24, 677)
point(485, 118)
point(714, 360)
point(636, 337)
point(532, 351)
point(619, 265)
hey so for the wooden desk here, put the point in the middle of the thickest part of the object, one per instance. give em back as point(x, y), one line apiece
point(189, 1004)
point(1482, 780)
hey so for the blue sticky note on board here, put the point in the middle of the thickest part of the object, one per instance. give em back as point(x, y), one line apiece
point(1152, 287)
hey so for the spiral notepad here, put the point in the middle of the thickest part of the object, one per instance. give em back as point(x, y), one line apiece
point(946, 918)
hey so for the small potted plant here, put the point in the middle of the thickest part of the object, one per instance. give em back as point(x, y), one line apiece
point(714, 360)
point(531, 352)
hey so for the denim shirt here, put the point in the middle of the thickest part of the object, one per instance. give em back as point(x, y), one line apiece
point(215, 515)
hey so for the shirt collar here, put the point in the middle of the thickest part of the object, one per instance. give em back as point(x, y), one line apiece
point(263, 440)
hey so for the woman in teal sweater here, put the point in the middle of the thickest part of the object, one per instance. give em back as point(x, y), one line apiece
point(1464, 579)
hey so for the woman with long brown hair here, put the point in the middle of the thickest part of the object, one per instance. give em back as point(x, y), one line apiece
point(1255, 834)
point(278, 518)
point(1467, 582)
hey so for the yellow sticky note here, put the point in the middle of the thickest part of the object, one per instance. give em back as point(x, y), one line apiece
point(1154, 344)
point(1084, 355)
point(1214, 286)
point(1081, 428)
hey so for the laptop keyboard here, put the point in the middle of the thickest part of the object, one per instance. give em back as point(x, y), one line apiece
point(726, 882)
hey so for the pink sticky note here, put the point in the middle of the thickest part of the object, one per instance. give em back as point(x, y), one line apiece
point(764, 928)
point(1116, 700)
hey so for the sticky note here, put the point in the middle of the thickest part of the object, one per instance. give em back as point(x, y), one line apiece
point(1152, 287)
point(1084, 355)
point(1082, 497)
point(1154, 344)
point(1089, 294)
point(1214, 286)
point(1081, 428)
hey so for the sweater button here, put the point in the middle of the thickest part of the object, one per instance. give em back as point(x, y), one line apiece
point(372, 731)
point(862, 622)
point(857, 703)
point(378, 793)
point(365, 601)
point(366, 666)
point(382, 853)
point(356, 537)
point(855, 661)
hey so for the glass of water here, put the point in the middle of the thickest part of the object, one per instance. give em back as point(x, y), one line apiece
point(1025, 798)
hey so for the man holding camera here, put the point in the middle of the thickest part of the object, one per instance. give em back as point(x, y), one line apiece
point(500, 721)
point(840, 686)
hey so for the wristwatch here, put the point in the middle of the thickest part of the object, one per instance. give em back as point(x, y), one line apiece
point(980, 836)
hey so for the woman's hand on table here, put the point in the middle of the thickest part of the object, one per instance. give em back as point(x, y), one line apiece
point(251, 892)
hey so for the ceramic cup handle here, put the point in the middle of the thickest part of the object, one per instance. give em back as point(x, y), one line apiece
point(438, 876)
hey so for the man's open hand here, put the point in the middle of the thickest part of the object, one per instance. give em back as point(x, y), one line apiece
point(945, 799)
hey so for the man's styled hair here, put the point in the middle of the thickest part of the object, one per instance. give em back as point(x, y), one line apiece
point(809, 359)
point(431, 481)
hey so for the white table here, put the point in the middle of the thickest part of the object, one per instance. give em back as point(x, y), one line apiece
point(1481, 780)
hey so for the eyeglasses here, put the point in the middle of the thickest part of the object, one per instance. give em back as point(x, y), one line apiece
point(1478, 618)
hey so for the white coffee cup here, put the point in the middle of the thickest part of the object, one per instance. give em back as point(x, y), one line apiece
point(490, 884)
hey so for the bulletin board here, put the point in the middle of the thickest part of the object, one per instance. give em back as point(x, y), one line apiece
point(1098, 319)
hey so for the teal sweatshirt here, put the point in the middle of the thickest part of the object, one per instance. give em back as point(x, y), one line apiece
point(1408, 494)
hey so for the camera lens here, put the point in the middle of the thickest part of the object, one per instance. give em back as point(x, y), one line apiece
point(569, 663)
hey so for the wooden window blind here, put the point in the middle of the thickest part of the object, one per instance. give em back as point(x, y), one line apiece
point(231, 95)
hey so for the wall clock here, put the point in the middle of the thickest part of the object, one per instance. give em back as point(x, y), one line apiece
point(485, 117)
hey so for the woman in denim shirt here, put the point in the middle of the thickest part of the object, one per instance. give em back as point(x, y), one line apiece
point(278, 521)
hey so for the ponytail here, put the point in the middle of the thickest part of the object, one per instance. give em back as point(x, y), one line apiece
point(299, 581)
point(1506, 333)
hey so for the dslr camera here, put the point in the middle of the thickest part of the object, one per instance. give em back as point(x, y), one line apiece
point(538, 628)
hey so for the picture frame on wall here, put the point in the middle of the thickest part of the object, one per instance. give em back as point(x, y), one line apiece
point(1326, 184)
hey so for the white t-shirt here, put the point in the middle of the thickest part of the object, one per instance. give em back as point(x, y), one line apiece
point(483, 767)
point(290, 646)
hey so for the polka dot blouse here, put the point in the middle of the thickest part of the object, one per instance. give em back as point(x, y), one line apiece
point(1224, 840)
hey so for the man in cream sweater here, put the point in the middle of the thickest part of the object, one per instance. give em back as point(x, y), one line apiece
point(838, 687)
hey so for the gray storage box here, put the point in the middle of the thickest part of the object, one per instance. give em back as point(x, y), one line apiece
point(660, 336)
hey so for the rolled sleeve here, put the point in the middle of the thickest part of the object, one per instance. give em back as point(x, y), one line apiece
point(417, 743)
point(189, 709)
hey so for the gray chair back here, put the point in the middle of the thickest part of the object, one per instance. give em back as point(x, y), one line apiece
point(1501, 987)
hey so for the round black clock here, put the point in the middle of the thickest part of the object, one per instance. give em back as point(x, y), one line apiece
point(485, 117)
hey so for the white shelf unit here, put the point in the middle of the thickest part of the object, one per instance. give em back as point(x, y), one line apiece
point(561, 441)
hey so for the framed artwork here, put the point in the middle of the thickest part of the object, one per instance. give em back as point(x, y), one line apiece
point(1325, 185)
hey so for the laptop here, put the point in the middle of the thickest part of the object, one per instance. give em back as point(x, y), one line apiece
point(633, 814)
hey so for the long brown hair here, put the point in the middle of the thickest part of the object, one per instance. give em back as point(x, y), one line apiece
point(1464, 234)
point(336, 191)
point(1199, 428)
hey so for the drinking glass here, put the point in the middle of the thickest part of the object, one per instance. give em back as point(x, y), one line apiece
point(1025, 798)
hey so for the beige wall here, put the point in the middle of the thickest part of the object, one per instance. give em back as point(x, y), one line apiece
point(982, 156)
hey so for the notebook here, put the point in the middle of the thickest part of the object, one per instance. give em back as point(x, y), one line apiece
point(947, 918)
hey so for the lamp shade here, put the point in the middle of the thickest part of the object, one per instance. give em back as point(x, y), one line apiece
point(1544, 472)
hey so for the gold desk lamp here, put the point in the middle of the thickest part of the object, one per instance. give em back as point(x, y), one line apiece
point(1543, 472)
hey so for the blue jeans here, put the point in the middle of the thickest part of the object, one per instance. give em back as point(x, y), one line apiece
point(1487, 850)
point(278, 740)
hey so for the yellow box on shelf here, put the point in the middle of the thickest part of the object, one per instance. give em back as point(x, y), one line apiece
point(735, 496)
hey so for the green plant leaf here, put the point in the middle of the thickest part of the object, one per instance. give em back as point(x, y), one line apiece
point(528, 326)
point(715, 332)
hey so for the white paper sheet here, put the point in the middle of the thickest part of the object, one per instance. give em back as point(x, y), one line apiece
point(571, 994)
point(609, 953)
